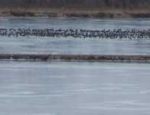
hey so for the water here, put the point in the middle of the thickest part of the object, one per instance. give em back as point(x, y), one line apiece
point(71, 88)
point(72, 45)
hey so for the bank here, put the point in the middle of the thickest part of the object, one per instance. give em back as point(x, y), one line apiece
point(82, 13)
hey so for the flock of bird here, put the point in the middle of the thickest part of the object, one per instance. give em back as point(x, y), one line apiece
point(77, 33)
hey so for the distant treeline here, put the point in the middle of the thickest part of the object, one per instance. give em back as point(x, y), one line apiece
point(76, 3)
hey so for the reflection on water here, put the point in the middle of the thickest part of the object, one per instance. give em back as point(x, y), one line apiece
point(63, 88)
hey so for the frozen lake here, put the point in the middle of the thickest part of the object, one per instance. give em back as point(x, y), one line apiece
point(72, 88)
point(73, 45)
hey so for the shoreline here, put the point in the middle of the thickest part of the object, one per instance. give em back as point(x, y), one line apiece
point(81, 13)
point(78, 58)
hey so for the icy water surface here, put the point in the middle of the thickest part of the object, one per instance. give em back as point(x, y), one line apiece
point(73, 45)
point(73, 88)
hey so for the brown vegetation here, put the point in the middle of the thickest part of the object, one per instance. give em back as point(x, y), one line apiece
point(60, 57)
point(76, 8)
point(77, 3)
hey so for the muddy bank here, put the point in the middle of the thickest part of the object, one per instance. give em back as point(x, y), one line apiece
point(77, 13)
point(60, 57)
